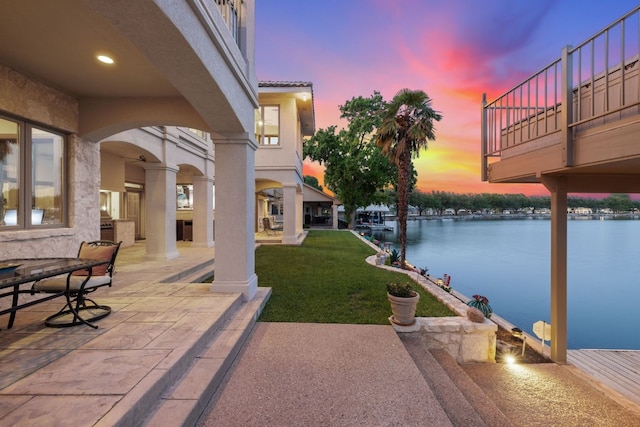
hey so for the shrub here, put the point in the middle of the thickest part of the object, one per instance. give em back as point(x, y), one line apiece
point(400, 290)
point(395, 256)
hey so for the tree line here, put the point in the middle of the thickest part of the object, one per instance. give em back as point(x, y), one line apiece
point(440, 201)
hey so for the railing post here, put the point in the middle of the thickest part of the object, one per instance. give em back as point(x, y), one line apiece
point(567, 107)
point(484, 138)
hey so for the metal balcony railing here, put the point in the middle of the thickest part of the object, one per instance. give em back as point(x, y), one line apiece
point(549, 104)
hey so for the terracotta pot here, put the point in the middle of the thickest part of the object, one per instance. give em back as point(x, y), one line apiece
point(404, 309)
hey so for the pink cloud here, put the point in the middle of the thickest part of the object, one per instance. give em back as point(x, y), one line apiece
point(455, 51)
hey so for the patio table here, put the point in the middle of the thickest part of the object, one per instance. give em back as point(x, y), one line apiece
point(17, 272)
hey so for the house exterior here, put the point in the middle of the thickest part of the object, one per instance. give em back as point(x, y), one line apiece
point(284, 118)
point(320, 209)
point(582, 211)
point(575, 127)
point(140, 140)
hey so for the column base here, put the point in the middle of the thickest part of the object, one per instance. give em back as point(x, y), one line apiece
point(210, 244)
point(162, 257)
point(248, 289)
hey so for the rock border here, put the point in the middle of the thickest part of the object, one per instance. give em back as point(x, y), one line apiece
point(464, 340)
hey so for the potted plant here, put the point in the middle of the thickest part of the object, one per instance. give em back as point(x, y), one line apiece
point(481, 303)
point(394, 258)
point(403, 300)
point(445, 284)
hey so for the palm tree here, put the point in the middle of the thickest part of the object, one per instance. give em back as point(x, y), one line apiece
point(406, 127)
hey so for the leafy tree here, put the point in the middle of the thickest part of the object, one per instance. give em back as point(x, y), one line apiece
point(435, 202)
point(540, 202)
point(420, 200)
point(618, 202)
point(515, 202)
point(460, 201)
point(312, 181)
point(441, 200)
point(390, 197)
point(355, 170)
point(406, 127)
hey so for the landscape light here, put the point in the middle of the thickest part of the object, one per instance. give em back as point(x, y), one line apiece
point(510, 360)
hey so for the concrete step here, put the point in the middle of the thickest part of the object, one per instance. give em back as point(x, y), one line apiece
point(462, 400)
point(184, 401)
point(136, 405)
point(483, 404)
point(192, 274)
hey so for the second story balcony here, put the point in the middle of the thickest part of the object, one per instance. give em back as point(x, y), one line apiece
point(578, 117)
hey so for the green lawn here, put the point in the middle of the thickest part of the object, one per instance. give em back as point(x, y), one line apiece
point(326, 280)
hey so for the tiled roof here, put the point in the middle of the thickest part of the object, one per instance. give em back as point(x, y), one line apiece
point(274, 83)
point(307, 112)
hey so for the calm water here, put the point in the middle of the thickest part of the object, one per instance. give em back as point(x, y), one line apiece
point(508, 261)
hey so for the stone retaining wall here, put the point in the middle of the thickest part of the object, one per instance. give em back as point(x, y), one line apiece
point(463, 339)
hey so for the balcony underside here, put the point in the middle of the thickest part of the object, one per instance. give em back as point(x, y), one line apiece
point(605, 159)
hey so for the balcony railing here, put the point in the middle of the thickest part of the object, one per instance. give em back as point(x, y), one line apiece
point(607, 69)
point(230, 11)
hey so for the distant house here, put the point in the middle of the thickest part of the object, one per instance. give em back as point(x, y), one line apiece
point(282, 121)
point(582, 211)
point(320, 209)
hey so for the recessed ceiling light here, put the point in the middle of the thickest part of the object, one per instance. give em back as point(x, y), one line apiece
point(105, 59)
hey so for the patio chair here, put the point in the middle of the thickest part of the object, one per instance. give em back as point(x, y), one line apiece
point(268, 228)
point(79, 284)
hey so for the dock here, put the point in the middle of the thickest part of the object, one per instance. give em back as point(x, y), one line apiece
point(618, 370)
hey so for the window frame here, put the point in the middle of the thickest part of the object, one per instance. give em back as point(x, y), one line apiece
point(260, 126)
point(25, 175)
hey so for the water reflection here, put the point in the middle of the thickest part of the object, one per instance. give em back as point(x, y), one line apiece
point(509, 262)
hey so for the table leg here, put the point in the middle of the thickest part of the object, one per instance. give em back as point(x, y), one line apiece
point(14, 303)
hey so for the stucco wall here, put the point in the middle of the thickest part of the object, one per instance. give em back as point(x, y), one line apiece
point(27, 98)
point(34, 101)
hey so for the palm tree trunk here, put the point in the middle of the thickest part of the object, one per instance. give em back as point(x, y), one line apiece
point(404, 180)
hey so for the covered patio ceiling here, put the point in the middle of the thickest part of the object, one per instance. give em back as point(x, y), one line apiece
point(56, 42)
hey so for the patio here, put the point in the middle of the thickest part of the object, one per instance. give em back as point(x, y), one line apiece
point(116, 374)
point(165, 349)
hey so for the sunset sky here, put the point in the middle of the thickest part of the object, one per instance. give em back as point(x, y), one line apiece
point(454, 50)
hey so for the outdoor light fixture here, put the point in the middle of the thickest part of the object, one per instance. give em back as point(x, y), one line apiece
point(510, 360)
point(105, 59)
point(517, 333)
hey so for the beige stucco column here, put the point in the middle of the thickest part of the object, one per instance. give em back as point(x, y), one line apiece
point(334, 216)
point(234, 200)
point(291, 211)
point(299, 213)
point(558, 188)
point(202, 212)
point(160, 196)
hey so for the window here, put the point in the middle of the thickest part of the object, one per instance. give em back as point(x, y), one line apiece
point(202, 134)
point(185, 196)
point(32, 175)
point(268, 125)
